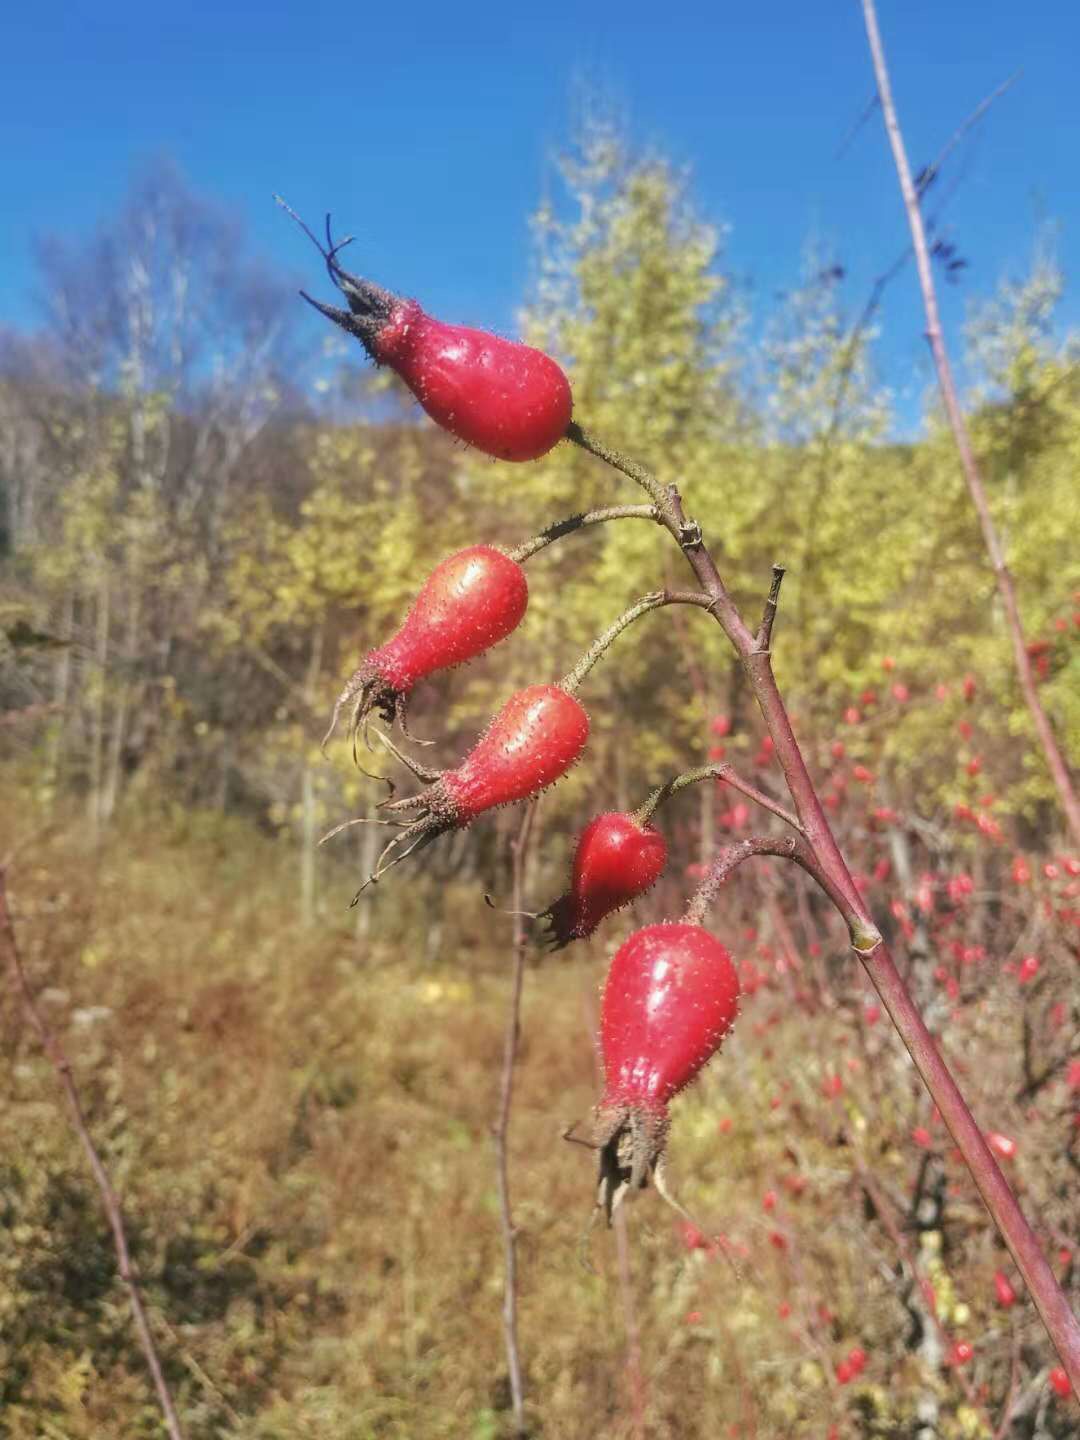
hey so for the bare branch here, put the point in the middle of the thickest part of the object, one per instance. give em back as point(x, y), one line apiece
point(60, 1063)
point(1055, 761)
point(501, 1127)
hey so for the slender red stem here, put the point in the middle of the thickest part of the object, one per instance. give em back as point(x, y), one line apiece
point(1055, 761)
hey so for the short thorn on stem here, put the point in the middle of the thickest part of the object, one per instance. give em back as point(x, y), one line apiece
point(763, 638)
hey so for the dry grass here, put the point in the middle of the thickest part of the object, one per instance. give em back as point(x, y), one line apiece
point(299, 1125)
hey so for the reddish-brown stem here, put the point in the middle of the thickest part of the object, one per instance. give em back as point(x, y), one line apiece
point(724, 772)
point(1055, 761)
point(500, 1129)
point(787, 847)
point(830, 869)
point(62, 1065)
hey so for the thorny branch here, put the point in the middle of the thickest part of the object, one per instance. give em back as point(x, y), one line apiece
point(57, 1056)
point(818, 845)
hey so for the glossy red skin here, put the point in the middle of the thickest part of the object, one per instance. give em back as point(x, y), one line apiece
point(616, 860)
point(671, 996)
point(505, 398)
point(468, 603)
point(535, 738)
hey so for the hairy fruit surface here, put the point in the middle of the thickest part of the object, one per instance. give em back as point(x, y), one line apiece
point(671, 996)
point(535, 738)
point(468, 603)
point(616, 859)
point(501, 396)
point(505, 398)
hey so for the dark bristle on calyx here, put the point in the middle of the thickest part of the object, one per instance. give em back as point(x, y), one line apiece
point(559, 925)
point(370, 306)
point(362, 320)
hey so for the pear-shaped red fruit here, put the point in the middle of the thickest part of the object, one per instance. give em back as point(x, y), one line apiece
point(671, 996)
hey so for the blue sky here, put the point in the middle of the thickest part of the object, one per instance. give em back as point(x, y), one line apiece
point(428, 130)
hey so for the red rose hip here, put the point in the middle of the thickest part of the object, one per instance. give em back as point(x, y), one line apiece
point(505, 398)
point(617, 858)
point(535, 738)
point(468, 603)
point(671, 996)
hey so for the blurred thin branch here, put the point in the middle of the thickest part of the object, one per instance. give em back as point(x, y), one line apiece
point(501, 1128)
point(62, 1065)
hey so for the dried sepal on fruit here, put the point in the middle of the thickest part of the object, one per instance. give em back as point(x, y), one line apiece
point(533, 740)
point(670, 998)
point(469, 602)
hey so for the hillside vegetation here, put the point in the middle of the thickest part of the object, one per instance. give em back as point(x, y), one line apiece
point(295, 1098)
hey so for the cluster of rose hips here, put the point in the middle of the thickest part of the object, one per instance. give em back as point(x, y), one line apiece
point(672, 991)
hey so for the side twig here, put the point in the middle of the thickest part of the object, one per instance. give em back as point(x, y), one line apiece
point(559, 528)
point(788, 847)
point(500, 1130)
point(62, 1065)
point(1055, 761)
point(718, 771)
point(653, 601)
